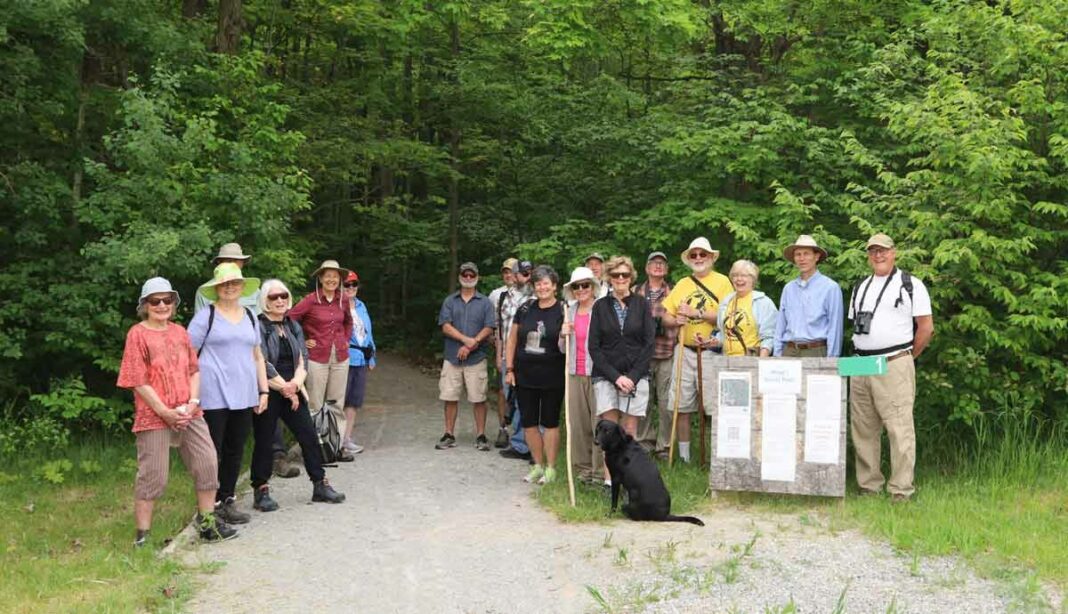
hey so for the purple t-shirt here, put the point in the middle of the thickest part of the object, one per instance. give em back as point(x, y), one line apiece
point(227, 366)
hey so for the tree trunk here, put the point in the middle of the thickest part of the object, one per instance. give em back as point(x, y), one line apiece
point(454, 163)
point(228, 34)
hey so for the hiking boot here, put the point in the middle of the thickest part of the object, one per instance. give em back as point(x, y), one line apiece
point(481, 443)
point(899, 498)
point(352, 446)
point(262, 500)
point(512, 453)
point(141, 539)
point(323, 491)
point(283, 469)
point(213, 529)
point(228, 513)
point(502, 438)
point(446, 441)
point(550, 476)
point(535, 474)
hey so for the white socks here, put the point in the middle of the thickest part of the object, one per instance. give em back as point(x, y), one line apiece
point(684, 451)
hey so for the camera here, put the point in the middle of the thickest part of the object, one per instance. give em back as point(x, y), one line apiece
point(862, 323)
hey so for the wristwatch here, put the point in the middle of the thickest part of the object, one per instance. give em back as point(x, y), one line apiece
point(193, 401)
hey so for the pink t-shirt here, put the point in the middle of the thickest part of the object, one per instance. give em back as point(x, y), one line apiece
point(163, 359)
point(582, 332)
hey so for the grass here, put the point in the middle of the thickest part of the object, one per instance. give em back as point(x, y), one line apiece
point(1001, 504)
point(67, 547)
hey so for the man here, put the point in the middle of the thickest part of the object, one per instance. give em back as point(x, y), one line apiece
point(496, 299)
point(892, 317)
point(595, 263)
point(466, 320)
point(655, 290)
point(231, 252)
point(810, 310)
point(521, 291)
point(693, 304)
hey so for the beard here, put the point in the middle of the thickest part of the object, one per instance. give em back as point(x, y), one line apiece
point(468, 284)
point(701, 269)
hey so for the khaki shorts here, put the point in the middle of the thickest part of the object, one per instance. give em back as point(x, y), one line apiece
point(475, 378)
point(609, 398)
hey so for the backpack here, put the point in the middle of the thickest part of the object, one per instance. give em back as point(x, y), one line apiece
point(211, 322)
point(329, 435)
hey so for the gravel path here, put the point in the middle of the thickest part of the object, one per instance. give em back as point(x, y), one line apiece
point(457, 531)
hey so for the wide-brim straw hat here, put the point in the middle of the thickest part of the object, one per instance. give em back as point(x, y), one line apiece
point(158, 285)
point(804, 241)
point(228, 271)
point(581, 274)
point(328, 265)
point(230, 251)
point(700, 243)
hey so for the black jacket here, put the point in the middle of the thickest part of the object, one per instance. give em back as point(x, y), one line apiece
point(271, 339)
point(627, 353)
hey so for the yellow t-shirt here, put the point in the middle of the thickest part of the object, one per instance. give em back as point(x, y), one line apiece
point(740, 329)
point(686, 291)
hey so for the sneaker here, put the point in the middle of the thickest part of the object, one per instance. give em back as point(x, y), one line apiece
point(446, 441)
point(284, 469)
point(502, 438)
point(535, 474)
point(344, 456)
point(899, 498)
point(511, 453)
point(352, 446)
point(323, 491)
point(262, 500)
point(550, 476)
point(481, 443)
point(141, 539)
point(214, 529)
point(227, 512)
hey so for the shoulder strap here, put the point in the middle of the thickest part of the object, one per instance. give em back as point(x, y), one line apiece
point(906, 283)
point(211, 322)
point(251, 318)
point(525, 307)
point(705, 288)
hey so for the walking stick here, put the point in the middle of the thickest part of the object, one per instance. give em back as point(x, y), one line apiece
point(701, 403)
point(567, 410)
point(678, 390)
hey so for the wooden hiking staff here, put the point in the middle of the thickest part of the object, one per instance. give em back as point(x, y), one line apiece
point(701, 403)
point(678, 390)
point(567, 408)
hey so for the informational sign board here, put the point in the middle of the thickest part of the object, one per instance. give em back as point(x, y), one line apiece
point(777, 425)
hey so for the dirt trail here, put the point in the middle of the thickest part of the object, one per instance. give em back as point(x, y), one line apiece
point(457, 531)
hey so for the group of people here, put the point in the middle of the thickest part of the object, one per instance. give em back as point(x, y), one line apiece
point(249, 361)
point(627, 343)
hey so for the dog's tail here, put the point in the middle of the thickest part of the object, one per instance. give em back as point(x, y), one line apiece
point(690, 519)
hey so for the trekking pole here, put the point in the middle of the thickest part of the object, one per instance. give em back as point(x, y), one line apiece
point(567, 409)
point(678, 390)
point(701, 403)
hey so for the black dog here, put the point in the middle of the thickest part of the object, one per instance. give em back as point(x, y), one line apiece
point(631, 468)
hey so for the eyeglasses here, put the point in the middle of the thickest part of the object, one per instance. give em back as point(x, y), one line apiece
point(620, 275)
point(352, 284)
point(582, 286)
point(281, 295)
point(155, 301)
point(877, 251)
point(233, 283)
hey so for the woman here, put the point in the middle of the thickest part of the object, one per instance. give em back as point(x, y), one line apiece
point(283, 349)
point(581, 292)
point(621, 343)
point(160, 366)
point(361, 359)
point(746, 316)
point(536, 369)
point(327, 324)
point(233, 376)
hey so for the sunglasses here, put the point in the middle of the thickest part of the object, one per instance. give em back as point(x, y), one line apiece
point(699, 254)
point(524, 273)
point(166, 300)
point(582, 286)
point(281, 295)
point(620, 275)
point(469, 276)
point(352, 284)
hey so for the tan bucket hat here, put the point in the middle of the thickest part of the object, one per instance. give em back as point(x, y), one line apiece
point(700, 243)
point(228, 271)
point(330, 264)
point(230, 251)
point(804, 241)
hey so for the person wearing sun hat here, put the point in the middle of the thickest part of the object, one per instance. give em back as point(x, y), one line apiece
point(892, 317)
point(810, 309)
point(693, 306)
point(230, 252)
point(233, 375)
point(327, 322)
point(581, 292)
point(159, 365)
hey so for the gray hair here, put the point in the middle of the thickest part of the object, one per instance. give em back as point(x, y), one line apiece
point(746, 267)
point(544, 271)
point(265, 289)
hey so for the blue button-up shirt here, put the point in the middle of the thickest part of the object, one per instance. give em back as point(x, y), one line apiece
point(809, 311)
point(469, 318)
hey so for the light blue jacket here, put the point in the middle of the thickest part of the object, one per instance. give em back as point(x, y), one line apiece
point(356, 356)
point(764, 312)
